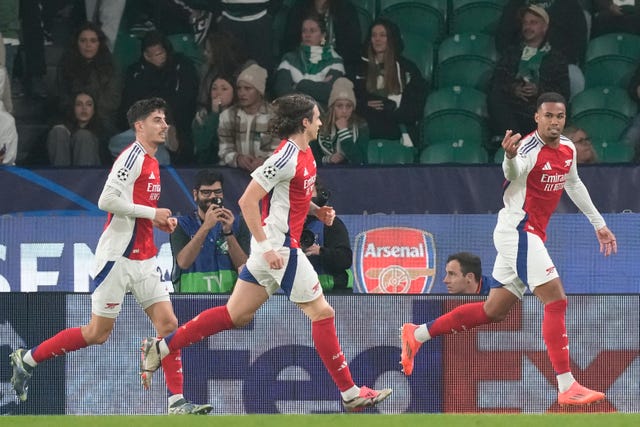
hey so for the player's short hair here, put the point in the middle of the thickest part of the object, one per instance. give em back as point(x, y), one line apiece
point(289, 112)
point(554, 97)
point(207, 177)
point(469, 263)
point(141, 109)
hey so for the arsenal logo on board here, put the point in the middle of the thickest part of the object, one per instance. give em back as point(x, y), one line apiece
point(394, 260)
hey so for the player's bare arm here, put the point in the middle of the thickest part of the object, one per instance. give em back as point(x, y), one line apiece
point(607, 241)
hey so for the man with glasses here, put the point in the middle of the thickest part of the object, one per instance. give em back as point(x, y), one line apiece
point(206, 252)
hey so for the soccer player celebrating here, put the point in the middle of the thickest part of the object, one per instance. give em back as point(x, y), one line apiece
point(537, 168)
point(125, 259)
point(284, 184)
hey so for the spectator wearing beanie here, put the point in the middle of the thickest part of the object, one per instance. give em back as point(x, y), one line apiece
point(344, 135)
point(245, 141)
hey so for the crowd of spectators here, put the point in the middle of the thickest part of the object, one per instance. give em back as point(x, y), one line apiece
point(192, 53)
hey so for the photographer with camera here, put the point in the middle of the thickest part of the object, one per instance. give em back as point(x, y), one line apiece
point(328, 247)
point(206, 252)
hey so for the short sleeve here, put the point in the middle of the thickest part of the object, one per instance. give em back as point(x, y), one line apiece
point(279, 167)
point(126, 169)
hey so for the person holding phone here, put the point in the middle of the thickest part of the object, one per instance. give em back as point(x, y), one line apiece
point(206, 252)
point(526, 70)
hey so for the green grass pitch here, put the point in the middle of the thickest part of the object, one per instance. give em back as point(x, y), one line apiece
point(337, 420)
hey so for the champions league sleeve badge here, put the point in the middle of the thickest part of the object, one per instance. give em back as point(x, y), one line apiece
point(269, 172)
point(123, 174)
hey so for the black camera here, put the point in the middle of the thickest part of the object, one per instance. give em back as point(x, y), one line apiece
point(307, 238)
point(217, 201)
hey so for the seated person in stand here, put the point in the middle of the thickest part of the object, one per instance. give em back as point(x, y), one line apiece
point(390, 89)
point(313, 67)
point(343, 136)
point(523, 73)
point(81, 140)
point(243, 131)
point(328, 248)
point(205, 125)
point(585, 153)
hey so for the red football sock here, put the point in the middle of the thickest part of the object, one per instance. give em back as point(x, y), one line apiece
point(63, 342)
point(205, 324)
point(172, 368)
point(325, 339)
point(461, 318)
point(554, 333)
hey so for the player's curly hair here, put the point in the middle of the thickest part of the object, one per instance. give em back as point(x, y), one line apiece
point(289, 111)
point(141, 109)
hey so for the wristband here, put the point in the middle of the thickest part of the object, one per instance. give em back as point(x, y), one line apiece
point(265, 246)
point(227, 234)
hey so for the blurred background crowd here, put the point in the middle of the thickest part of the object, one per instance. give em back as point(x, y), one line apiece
point(421, 81)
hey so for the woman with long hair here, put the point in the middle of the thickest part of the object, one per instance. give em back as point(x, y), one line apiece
point(81, 139)
point(205, 126)
point(89, 66)
point(390, 89)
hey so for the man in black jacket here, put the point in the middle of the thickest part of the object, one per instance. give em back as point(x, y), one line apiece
point(328, 248)
point(169, 75)
point(524, 72)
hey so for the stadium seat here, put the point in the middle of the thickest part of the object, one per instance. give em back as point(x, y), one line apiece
point(615, 44)
point(614, 152)
point(186, 44)
point(475, 16)
point(425, 19)
point(419, 52)
point(456, 98)
point(466, 60)
point(453, 114)
point(602, 127)
point(609, 71)
point(126, 50)
point(365, 18)
point(603, 112)
point(613, 100)
point(388, 152)
point(611, 60)
point(499, 156)
point(454, 152)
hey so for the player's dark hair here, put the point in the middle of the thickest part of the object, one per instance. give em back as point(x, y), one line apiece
point(141, 109)
point(469, 263)
point(554, 97)
point(207, 177)
point(289, 111)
